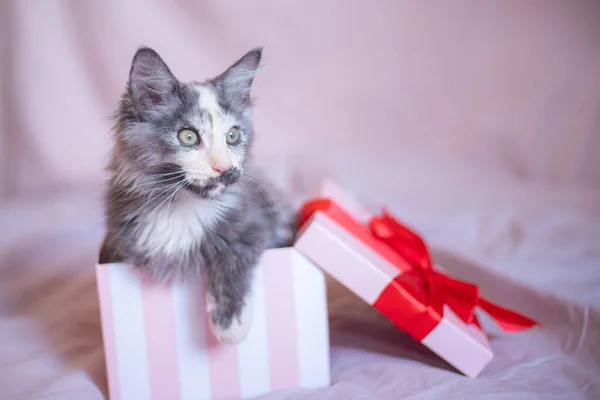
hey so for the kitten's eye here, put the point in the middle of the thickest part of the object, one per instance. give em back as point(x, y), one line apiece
point(233, 136)
point(188, 137)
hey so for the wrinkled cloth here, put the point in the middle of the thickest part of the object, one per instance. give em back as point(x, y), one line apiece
point(50, 326)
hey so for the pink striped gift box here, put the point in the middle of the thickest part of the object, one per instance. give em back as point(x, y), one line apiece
point(158, 344)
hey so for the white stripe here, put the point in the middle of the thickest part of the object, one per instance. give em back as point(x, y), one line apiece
point(128, 326)
point(253, 353)
point(310, 300)
point(190, 334)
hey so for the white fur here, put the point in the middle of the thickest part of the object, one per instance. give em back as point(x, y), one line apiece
point(200, 164)
point(211, 303)
point(222, 123)
point(239, 328)
point(175, 228)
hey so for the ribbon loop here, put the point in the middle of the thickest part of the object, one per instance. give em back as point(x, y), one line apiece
point(415, 299)
point(462, 297)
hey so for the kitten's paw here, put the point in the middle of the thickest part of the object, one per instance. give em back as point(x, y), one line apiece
point(231, 330)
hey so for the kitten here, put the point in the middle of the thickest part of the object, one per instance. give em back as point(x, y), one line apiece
point(182, 200)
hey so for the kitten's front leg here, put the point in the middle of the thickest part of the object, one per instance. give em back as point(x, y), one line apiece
point(229, 298)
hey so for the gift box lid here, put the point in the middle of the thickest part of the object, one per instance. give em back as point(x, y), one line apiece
point(388, 266)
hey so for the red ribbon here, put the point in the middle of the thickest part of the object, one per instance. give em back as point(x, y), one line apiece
point(415, 299)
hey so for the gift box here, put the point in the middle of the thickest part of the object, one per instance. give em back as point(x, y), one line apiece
point(158, 343)
point(388, 266)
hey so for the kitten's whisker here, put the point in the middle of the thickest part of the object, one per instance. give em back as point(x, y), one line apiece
point(161, 176)
point(158, 195)
point(148, 202)
point(139, 210)
point(169, 173)
point(163, 202)
point(173, 196)
point(153, 182)
point(258, 190)
point(181, 185)
point(144, 183)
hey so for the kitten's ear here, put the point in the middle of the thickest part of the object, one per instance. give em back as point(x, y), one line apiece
point(237, 80)
point(152, 84)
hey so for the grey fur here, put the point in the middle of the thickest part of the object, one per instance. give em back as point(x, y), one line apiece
point(144, 177)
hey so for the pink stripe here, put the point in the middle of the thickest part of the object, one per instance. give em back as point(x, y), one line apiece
point(223, 365)
point(108, 333)
point(281, 322)
point(161, 345)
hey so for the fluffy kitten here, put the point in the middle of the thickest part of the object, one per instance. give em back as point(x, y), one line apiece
point(182, 200)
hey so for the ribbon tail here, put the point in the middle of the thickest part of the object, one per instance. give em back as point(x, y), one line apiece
point(508, 320)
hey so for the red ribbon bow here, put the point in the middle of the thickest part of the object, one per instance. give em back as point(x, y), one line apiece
point(415, 299)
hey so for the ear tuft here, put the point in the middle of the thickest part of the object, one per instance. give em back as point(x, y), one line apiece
point(151, 81)
point(237, 80)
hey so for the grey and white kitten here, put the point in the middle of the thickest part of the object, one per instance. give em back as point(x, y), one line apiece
point(182, 200)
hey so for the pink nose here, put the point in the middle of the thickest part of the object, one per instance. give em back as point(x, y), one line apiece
point(221, 168)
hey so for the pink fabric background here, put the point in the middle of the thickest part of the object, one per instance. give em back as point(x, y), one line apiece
point(477, 122)
point(367, 87)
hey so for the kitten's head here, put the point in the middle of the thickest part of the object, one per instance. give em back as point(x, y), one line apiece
point(194, 135)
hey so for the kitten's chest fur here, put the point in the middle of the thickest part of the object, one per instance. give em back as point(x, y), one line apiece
point(180, 227)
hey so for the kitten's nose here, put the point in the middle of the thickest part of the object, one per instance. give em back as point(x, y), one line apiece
point(220, 167)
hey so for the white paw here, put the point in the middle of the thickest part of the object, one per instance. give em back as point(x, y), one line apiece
point(239, 328)
point(211, 303)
